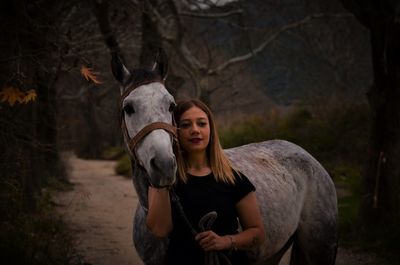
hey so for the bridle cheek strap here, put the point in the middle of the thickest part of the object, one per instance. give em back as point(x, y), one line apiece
point(133, 142)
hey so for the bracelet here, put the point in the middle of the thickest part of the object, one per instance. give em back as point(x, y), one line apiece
point(233, 244)
point(164, 188)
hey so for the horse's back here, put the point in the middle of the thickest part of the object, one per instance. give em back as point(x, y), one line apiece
point(280, 164)
point(295, 193)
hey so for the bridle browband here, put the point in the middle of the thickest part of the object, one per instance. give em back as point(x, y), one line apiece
point(133, 142)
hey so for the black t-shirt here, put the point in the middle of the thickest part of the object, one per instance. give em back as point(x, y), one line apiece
point(199, 196)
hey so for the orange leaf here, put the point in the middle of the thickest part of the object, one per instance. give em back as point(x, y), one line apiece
point(90, 75)
point(11, 95)
point(30, 95)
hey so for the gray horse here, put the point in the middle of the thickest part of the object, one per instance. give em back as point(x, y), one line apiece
point(296, 195)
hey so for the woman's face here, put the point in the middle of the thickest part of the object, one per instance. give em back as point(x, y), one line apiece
point(194, 130)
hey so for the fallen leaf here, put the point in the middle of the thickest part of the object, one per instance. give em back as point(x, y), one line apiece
point(90, 75)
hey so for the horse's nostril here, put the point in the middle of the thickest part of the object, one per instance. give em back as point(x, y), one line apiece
point(153, 163)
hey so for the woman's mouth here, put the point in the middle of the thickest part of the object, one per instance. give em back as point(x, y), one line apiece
point(195, 140)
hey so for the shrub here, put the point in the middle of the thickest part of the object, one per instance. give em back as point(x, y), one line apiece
point(113, 153)
point(123, 166)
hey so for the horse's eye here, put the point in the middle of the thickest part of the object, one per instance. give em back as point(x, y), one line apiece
point(172, 106)
point(129, 109)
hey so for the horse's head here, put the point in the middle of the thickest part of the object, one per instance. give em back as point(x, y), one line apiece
point(146, 112)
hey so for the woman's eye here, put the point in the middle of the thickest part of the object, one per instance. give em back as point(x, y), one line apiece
point(129, 109)
point(171, 106)
point(202, 124)
point(184, 125)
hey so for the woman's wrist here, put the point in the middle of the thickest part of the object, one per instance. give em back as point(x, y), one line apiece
point(163, 189)
point(232, 245)
point(160, 189)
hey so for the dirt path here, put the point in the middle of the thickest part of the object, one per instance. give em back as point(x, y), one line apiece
point(100, 211)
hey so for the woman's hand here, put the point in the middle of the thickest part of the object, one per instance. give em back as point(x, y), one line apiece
point(209, 240)
point(158, 219)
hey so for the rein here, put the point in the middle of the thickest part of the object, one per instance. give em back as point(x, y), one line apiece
point(212, 257)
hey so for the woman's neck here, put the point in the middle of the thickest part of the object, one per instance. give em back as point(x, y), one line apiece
point(198, 164)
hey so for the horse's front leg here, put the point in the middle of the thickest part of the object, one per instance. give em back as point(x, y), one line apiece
point(151, 249)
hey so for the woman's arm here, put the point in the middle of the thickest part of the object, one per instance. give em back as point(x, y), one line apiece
point(253, 233)
point(158, 219)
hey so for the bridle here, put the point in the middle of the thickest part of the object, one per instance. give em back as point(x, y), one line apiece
point(134, 141)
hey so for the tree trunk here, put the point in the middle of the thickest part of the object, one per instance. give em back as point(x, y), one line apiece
point(92, 143)
point(380, 203)
point(380, 196)
point(151, 38)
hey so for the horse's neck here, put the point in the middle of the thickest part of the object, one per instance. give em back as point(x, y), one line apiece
point(140, 183)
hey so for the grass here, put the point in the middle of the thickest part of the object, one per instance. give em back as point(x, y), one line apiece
point(348, 178)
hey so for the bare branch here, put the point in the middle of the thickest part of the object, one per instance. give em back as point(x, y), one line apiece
point(79, 95)
point(105, 92)
point(269, 40)
point(172, 32)
point(189, 58)
point(101, 12)
point(211, 15)
point(170, 27)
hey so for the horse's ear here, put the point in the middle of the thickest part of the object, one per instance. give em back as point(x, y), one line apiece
point(120, 72)
point(161, 64)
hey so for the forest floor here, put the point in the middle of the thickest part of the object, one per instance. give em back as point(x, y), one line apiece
point(99, 211)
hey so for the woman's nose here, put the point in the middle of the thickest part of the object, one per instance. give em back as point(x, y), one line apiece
point(195, 129)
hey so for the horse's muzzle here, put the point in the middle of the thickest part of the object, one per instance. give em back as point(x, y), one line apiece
point(162, 171)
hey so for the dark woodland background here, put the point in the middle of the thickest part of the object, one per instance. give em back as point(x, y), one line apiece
point(324, 74)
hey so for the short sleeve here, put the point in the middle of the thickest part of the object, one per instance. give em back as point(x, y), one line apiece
point(242, 187)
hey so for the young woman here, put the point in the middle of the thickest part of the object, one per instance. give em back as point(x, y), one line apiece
point(206, 182)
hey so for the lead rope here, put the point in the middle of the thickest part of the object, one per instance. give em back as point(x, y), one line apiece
point(212, 257)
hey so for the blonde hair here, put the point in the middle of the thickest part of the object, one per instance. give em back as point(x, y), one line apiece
point(219, 163)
